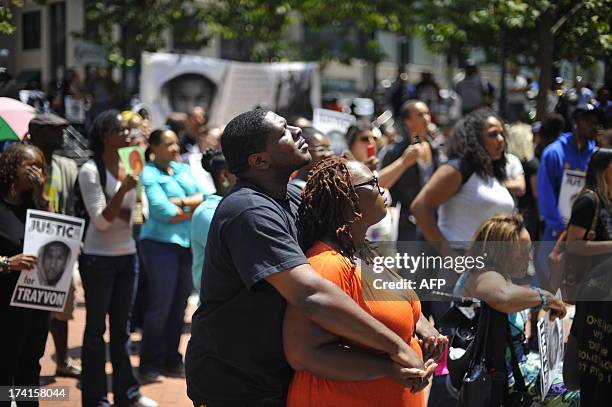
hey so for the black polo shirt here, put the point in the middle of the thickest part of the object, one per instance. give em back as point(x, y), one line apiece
point(236, 349)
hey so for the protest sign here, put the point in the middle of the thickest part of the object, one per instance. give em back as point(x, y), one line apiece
point(550, 339)
point(571, 185)
point(133, 158)
point(176, 83)
point(334, 125)
point(55, 239)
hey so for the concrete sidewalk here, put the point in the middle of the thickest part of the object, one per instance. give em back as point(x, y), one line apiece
point(171, 392)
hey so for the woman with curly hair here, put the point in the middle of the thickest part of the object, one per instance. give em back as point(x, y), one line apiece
point(22, 179)
point(340, 201)
point(469, 188)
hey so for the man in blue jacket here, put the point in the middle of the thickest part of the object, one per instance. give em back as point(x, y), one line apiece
point(561, 177)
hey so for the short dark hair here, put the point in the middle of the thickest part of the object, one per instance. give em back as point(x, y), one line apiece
point(356, 129)
point(214, 162)
point(309, 133)
point(106, 122)
point(56, 243)
point(407, 106)
point(244, 135)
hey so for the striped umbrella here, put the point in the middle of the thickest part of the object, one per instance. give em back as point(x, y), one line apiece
point(14, 119)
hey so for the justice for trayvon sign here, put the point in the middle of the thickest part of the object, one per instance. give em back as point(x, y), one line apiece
point(55, 240)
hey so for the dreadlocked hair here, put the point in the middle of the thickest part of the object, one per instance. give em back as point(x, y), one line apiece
point(329, 206)
point(10, 161)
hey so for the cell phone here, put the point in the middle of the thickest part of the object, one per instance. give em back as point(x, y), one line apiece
point(371, 150)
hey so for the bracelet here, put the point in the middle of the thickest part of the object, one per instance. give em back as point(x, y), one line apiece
point(5, 265)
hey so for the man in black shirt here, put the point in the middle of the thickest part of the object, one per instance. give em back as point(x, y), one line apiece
point(416, 121)
point(253, 265)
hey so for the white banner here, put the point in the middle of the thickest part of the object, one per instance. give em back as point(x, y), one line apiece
point(176, 83)
point(55, 239)
point(334, 125)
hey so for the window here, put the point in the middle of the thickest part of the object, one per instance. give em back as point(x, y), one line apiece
point(31, 30)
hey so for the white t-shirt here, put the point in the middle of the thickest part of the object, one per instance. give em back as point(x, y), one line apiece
point(477, 200)
point(514, 84)
point(104, 238)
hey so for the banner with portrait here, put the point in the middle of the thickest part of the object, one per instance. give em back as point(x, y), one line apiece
point(55, 240)
point(176, 83)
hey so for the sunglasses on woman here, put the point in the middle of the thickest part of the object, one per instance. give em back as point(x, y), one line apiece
point(372, 182)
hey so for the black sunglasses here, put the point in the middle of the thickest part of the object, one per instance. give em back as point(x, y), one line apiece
point(373, 182)
point(319, 149)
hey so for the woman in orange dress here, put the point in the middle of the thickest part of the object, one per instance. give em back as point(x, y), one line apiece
point(340, 201)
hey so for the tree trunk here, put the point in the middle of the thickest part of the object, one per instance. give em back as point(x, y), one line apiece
point(502, 84)
point(544, 58)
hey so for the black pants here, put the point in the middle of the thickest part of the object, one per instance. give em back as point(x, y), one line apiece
point(22, 344)
point(109, 283)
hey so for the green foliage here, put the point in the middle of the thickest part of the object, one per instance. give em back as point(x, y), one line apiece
point(142, 24)
point(262, 24)
point(455, 26)
point(6, 16)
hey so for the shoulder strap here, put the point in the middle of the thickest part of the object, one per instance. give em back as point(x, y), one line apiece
point(516, 369)
point(465, 169)
point(482, 334)
point(590, 235)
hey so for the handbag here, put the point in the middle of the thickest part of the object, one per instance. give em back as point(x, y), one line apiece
point(567, 270)
point(460, 347)
point(477, 383)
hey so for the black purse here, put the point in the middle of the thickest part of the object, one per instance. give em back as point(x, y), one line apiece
point(462, 320)
point(477, 383)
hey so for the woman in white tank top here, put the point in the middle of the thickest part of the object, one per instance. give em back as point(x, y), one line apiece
point(468, 189)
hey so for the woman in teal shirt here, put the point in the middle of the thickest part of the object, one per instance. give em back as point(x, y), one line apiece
point(173, 194)
point(214, 162)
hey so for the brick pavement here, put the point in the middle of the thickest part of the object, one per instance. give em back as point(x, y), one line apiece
point(169, 393)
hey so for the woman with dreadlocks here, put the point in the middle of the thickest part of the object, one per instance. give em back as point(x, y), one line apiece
point(340, 201)
point(22, 179)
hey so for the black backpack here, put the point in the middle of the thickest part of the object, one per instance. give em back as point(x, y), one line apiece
point(79, 209)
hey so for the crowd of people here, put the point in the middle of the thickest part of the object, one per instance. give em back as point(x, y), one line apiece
point(273, 230)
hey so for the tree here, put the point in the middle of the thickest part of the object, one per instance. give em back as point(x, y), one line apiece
point(258, 26)
point(541, 32)
point(7, 27)
point(142, 26)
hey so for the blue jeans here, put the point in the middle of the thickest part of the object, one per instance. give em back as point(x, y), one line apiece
point(168, 268)
point(109, 283)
